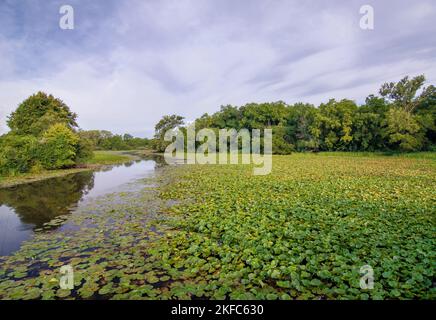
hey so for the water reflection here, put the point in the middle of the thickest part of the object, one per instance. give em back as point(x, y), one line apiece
point(39, 202)
point(26, 207)
point(158, 159)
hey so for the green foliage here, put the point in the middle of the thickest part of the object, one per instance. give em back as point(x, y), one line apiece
point(305, 230)
point(108, 157)
point(302, 232)
point(264, 115)
point(39, 112)
point(334, 122)
point(300, 128)
point(84, 151)
point(403, 93)
point(165, 124)
point(106, 140)
point(367, 133)
point(403, 130)
point(59, 147)
point(280, 143)
point(42, 136)
point(18, 154)
point(340, 125)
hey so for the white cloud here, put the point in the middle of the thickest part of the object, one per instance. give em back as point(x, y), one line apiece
point(146, 59)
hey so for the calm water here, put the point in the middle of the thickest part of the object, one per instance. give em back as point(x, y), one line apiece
point(27, 207)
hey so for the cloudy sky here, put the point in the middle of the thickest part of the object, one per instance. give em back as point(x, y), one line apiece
point(128, 62)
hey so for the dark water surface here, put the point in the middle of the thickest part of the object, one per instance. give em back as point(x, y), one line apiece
point(27, 207)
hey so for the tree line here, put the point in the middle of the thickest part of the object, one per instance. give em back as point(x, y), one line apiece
point(44, 133)
point(106, 140)
point(401, 118)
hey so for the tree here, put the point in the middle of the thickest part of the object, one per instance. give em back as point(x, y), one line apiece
point(367, 133)
point(43, 136)
point(84, 151)
point(39, 112)
point(263, 115)
point(127, 137)
point(403, 131)
point(402, 118)
point(280, 141)
point(300, 122)
point(403, 93)
point(426, 116)
point(169, 122)
point(334, 124)
point(375, 104)
point(228, 117)
point(106, 140)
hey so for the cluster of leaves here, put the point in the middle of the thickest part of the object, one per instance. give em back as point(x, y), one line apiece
point(399, 119)
point(302, 232)
point(106, 140)
point(39, 112)
point(43, 136)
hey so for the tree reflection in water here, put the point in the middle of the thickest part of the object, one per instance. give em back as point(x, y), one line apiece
point(39, 202)
point(26, 207)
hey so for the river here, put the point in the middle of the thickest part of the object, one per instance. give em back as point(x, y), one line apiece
point(26, 208)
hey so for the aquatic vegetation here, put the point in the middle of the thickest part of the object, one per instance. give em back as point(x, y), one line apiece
point(218, 232)
point(105, 242)
point(305, 231)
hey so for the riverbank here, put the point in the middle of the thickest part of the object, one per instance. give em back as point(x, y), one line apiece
point(101, 158)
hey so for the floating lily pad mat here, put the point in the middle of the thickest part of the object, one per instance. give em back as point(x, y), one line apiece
point(219, 232)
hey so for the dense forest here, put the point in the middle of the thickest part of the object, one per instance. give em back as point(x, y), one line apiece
point(400, 119)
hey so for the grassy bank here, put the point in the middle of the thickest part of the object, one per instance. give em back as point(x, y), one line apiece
point(100, 158)
point(110, 157)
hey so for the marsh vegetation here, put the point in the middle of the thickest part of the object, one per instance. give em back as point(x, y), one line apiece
point(200, 231)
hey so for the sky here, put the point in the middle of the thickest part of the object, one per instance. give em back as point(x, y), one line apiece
point(127, 63)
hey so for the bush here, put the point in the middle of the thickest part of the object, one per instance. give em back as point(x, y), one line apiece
point(84, 151)
point(37, 168)
point(59, 147)
point(18, 154)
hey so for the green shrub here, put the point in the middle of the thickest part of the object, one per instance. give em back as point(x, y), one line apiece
point(59, 147)
point(84, 151)
point(37, 168)
point(17, 154)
